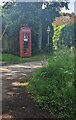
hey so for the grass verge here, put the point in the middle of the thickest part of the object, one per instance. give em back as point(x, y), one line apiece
point(53, 86)
point(9, 58)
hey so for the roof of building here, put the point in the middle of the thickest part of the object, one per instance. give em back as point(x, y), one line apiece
point(63, 20)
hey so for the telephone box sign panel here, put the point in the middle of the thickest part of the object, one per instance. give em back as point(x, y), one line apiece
point(25, 30)
point(25, 42)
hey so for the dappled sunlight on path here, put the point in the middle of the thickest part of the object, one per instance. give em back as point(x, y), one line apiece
point(19, 84)
point(14, 74)
point(17, 100)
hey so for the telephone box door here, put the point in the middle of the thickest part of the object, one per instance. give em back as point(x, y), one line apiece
point(25, 42)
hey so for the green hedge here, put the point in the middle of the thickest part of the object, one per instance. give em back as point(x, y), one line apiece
point(64, 35)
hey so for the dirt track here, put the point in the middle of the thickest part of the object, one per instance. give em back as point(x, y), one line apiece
point(17, 102)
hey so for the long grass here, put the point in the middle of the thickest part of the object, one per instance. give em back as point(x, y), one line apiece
point(53, 86)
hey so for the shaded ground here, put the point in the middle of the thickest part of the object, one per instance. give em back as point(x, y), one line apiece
point(17, 102)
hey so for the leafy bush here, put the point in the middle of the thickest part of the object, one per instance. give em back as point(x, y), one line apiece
point(64, 35)
point(67, 35)
point(52, 86)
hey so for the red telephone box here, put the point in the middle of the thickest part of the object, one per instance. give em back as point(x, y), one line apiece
point(25, 42)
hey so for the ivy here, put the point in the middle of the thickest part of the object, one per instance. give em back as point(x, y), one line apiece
point(57, 34)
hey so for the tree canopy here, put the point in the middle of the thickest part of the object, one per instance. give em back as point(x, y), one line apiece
point(31, 14)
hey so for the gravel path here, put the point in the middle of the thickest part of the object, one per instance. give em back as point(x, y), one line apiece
point(17, 102)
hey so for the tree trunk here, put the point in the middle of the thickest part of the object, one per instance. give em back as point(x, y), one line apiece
point(40, 36)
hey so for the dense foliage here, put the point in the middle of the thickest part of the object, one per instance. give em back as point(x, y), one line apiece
point(64, 35)
point(67, 35)
point(52, 86)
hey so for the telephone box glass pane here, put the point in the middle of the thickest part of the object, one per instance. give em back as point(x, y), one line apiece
point(26, 39)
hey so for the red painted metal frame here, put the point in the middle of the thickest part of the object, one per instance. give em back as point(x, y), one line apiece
point(23, 52)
